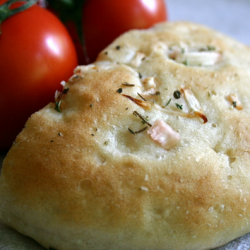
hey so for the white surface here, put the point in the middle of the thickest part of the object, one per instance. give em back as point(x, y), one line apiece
point(228, 16)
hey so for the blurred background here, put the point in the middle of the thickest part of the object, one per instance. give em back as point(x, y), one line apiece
point(228, 16)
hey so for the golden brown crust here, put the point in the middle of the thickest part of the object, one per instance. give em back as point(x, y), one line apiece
point(79, 179)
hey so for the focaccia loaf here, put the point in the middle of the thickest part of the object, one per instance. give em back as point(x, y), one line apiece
point(147, 148)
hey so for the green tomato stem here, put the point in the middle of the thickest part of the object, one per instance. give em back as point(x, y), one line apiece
point(6, 12)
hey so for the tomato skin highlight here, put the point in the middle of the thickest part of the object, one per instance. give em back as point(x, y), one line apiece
point(36, 54)
point(103, 21)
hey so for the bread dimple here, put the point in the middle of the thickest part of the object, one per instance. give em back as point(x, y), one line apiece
point(88, 175)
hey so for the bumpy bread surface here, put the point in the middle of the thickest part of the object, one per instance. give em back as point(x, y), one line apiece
point(79, 179)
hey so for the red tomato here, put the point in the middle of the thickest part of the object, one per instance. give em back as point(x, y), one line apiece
point(103, 21)
point(36, 54)
point(67, 16)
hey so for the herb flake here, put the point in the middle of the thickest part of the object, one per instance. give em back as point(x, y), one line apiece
point(185, 62)
point(141, 130)
point(65, 91)
point(131, 131)
point(128, 84)
point(141, 97)
point(135, 113)
point(179, 106)
point(57, 106)
point(177, 94)
point(168, 102)
point(211, 48)
point(119, 90)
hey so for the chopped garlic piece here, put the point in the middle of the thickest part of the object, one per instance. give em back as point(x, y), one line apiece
point(143, 104)
point(83, 69)
point(162, 133)
point(159, 48)
point(149, 82)
point(149, 86)
point(57, 93)
point(194, 57)
point(191, 99)
point(149, 93)
point(193, 103)
point(174, 51)
point(201, 58)
point(63, 83)
point(75, 78)
point(235, 101)
point(124, 54)
point(136, 61)
point(144, 189)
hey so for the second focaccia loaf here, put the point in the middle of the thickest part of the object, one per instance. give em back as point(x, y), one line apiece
point(147, 148)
